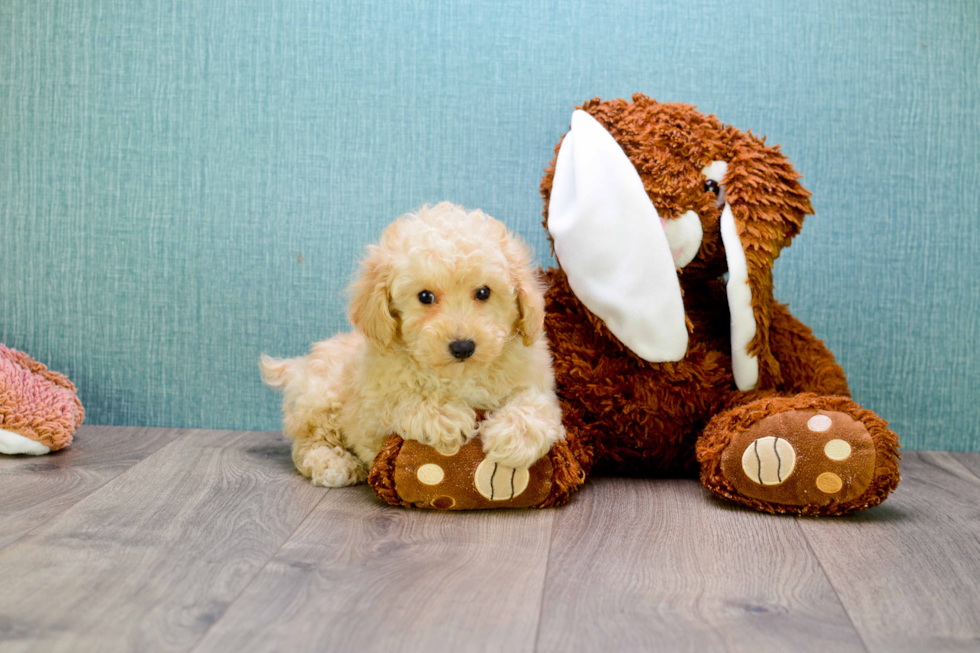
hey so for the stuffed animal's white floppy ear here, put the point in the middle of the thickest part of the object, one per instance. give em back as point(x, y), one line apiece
point(611, 244)
point(745, 366)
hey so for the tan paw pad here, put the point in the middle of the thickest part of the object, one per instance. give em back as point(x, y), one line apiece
point(819, 423)
point(430, 474)
point(769, 460)
point(443, 503)
point(829, 483)
point(498, 482)
point(837, 450)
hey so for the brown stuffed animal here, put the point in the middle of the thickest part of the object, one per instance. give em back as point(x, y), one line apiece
point(658, 370)
point(662, 364)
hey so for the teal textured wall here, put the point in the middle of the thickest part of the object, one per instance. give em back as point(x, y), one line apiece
point(186, 184)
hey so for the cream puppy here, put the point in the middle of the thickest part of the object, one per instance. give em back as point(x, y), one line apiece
point(448, 311)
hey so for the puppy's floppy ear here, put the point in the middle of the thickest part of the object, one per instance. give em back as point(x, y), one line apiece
point(530, 305)
point(765, 207)
point(370, 311)
point(527, 286)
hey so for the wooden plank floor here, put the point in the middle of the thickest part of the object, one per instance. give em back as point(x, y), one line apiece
point(182, 540)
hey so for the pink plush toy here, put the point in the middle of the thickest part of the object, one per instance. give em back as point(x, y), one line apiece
point(39, 409)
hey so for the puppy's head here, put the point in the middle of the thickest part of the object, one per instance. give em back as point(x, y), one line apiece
point(450, 287)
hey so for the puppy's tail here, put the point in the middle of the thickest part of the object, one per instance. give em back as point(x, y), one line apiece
point(276, 372)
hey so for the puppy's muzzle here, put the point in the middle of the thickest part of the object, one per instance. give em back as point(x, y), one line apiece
point(462, 349)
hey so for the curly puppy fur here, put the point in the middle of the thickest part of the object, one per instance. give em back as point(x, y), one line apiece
point(397, 374)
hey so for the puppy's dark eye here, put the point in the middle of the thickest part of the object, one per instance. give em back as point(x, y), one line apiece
point(426, 297)
point(483, 293)
point(713, 186)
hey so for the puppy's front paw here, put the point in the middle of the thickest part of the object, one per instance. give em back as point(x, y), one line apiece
point(332, 467)
point(516, 439)
point(445, 427)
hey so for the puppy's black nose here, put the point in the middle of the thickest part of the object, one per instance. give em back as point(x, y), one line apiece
point(462, 349)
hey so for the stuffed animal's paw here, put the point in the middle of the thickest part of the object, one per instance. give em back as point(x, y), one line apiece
point(40, 409)
point(805, 455)
point(408, 473)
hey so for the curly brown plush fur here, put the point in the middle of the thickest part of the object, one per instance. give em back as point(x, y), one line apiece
point(625, 414)
point(382, 474)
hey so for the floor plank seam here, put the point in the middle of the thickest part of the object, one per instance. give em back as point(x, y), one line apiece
point(955, 459)
point(971, 470)
point(258, 572)
point(544, 583)
point(823, 570)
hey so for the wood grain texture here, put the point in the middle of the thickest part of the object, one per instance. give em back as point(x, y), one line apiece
point(150, 560)
point(360, 575)
point(658, 565)
point(34, 489)
point(908, 572)
point(166, 540)
point(969, 460)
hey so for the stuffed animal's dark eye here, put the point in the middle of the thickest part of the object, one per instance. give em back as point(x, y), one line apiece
point(713, 186)
point(483, 293)
point(426, 297)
